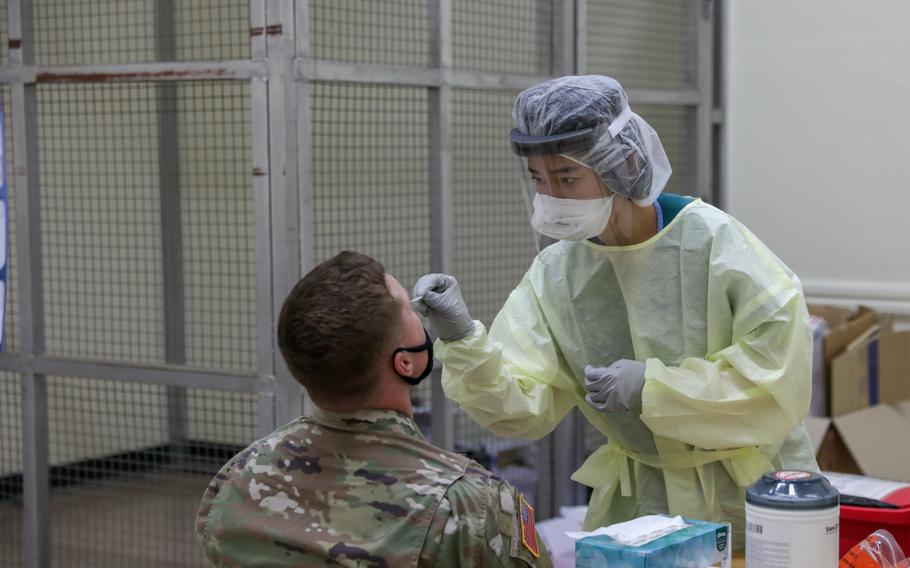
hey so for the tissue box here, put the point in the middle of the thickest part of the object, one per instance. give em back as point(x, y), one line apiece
point(700, 544)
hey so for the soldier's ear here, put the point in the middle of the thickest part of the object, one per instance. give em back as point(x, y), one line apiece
point(403, 363)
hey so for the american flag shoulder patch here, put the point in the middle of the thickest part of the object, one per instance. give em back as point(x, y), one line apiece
point(528, 530)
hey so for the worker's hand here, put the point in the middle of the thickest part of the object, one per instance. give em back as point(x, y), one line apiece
point(616, 388)
point(438, 297)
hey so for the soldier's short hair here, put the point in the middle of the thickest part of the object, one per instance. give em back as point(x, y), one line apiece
point(336, 324)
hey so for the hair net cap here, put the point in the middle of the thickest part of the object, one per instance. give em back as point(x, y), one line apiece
point(592, 111)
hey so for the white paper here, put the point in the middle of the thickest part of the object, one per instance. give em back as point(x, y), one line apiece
point(863, 486)
point(637, 531)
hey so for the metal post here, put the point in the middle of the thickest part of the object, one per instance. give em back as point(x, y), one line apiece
point(305, 190)
point(171, 225)
point(581, 32)
point(719, 104)
point(307, 229)
point(285, 205)
point(35, 442)
point(560, 447)
point(564, 38)
point(442, 426)
point(265, 323)
point(35, 478)
point(703, 16)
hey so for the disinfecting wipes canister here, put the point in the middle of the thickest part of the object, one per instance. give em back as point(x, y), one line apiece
point(792, 521)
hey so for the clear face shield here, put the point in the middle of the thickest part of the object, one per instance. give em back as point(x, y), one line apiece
point(566, 198)
point(587, 184)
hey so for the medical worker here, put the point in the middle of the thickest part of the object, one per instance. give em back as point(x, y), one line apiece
point(675, 331)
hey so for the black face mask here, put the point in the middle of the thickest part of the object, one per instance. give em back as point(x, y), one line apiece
point(428, 347)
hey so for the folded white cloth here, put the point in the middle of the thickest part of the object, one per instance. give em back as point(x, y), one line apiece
point(637, 531)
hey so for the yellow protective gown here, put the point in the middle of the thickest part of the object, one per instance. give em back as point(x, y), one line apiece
point(722, 326)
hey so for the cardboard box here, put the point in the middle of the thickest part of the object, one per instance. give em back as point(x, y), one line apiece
point(843, 326)
point(843, 329)
point(874, 369)
point(866, 427)
point(866, 362)
point(872, 441)
point(853, 375)
point(819, 403)
point(877, 438)
point(904, 408)
point(831, 452)
point(894, 366)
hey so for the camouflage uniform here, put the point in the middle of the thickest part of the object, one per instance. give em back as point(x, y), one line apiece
point(360, 489)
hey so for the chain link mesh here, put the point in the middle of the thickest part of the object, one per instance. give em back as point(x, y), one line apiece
point(129, 461)
point(676, 127)
point(11, 513)
point(494, 243)
point(4, 34)
point(507, 36)
point(370, 179)
point(370, 175)
point(93, 32)
point(11, 322)
point(493, 248)
point(111, 155)
point(125, 488)
point(392, 32)
point(643, 44)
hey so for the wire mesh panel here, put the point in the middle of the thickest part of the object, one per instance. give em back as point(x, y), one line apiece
point(4, 34)
point(11, 322)
point(371, 175)
point(507, 36)
point(393, 32)
point(93, 32)
point(216, 419)
point(493, 248)
point(676, 127)
point(494, 243)
point(101, 221)
point(114, 155)
point(218, 226)
point(123, 494)
point(147, 227)
point(89, 418)
point(371, 179)
point(211, 29)
point(641, 43)
point(10, 470)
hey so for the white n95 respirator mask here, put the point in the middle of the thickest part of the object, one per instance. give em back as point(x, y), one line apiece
point(570, 219)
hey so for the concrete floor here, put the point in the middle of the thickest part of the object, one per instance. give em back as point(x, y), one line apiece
point(140, 521)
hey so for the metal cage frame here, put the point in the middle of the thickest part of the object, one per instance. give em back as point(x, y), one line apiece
point(281, 72)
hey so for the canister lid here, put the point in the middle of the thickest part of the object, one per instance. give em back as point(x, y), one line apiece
point(792, 489)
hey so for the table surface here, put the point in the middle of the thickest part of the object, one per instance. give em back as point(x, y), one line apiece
point(739, 560)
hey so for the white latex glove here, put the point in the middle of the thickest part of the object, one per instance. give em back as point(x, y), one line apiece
point(616, 388)
point(438, 297)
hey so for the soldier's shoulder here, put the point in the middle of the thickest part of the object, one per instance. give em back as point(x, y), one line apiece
point(477, 493)
point(495, 518)
point(477, 476)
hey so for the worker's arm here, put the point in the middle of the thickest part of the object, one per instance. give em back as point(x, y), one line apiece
point(755, 384)
point(513, 381)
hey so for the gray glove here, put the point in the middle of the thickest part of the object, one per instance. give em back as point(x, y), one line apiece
point(616, 388)
point(438, 297)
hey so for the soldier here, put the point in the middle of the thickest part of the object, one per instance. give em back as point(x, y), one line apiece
point(356, 484)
